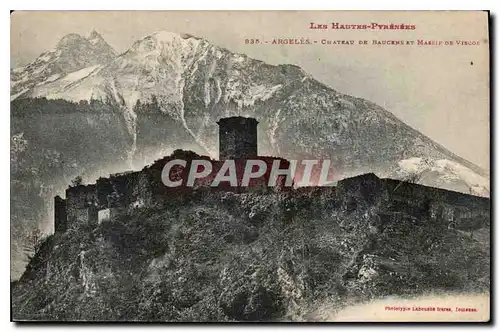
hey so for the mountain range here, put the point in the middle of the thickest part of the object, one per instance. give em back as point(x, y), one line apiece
point(194, 83)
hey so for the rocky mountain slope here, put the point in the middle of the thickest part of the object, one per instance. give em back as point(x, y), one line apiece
point(247, 257)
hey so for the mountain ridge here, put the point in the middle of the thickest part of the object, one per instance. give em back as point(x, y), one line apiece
point(72, 53)
point(196, 82)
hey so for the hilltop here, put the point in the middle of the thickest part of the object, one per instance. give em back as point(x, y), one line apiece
point(220, 256)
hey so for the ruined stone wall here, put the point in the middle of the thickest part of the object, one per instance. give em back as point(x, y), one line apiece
point(436, 203)
point(81, 201)
point(115, 193)
point(121, 192)
point(60, 216)
point(410, 198)
point(366, 189)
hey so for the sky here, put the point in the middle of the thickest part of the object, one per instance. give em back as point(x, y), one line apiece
point(440, 90)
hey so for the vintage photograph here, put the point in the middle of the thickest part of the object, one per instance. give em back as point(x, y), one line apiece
point(250, 166)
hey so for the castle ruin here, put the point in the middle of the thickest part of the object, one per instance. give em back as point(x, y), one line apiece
point(115, 195)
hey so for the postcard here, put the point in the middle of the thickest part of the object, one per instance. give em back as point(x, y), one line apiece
point(250, 166)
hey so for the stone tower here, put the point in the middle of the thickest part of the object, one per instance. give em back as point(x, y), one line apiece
point(237, 138)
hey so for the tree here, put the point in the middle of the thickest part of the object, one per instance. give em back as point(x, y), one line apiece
point(77, 181)
point(413, 177)
point(33, 242)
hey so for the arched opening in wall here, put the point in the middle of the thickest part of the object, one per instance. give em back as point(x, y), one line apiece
point(103, 215)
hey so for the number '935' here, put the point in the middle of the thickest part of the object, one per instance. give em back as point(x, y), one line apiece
point(252, 41)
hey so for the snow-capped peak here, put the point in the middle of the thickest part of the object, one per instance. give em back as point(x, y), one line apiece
point(72, 53)
point(165, 42)
point(95, 38)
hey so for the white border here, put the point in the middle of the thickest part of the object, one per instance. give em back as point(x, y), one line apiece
point(492, 5)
